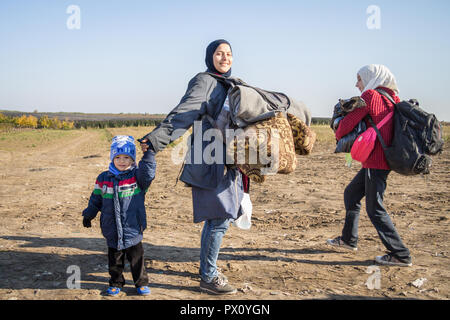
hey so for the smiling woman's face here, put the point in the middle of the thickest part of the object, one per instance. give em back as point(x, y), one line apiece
point(223, 58)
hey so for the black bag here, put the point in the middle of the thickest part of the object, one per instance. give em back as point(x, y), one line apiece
point(346, 142)
point(417, 135)
point(264, 103)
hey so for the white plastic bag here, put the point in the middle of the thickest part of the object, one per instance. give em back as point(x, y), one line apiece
point(245, 220)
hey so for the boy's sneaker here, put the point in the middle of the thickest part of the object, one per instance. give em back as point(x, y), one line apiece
point(143, 291)
point(390, 260)
point(218, 285)
point(113, 291)
point(338, 242)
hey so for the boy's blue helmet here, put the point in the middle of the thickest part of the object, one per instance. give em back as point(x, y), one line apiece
point(123, 145)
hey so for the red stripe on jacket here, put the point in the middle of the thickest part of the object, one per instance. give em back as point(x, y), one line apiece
point(109, 184)
point(377, 106)
point(127, 181)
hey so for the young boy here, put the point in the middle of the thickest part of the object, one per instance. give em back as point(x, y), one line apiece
point(119, 194)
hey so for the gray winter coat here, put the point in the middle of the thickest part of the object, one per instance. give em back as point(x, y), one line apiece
point(217, 191)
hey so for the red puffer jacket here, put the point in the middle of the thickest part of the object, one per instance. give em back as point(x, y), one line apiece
point(377, 107)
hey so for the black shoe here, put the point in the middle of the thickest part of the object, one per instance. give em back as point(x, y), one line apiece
point(338, 242)
point(218, 285)
point(390, 260)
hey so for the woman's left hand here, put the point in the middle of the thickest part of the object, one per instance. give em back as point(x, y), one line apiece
point(144, 145)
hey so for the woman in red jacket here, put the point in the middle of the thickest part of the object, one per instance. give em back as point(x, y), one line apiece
point(370, 181)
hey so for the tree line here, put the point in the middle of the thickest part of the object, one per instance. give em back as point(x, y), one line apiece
point(116, 123)
point(30, 121)
point(45, 122)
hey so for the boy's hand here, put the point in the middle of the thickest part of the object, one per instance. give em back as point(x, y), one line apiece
point(86, 222)
point(145, 144)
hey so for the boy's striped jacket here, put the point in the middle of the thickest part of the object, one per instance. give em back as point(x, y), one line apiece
point(120, 198)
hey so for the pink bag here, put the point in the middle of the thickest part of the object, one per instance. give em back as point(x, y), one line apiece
point(365, 142)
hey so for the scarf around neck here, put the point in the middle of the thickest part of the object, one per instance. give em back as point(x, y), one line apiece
point(112, 168)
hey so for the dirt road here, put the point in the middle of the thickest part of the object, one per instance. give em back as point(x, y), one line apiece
point(46, 185)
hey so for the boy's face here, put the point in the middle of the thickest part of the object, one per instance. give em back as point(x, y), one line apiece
point(123, 162)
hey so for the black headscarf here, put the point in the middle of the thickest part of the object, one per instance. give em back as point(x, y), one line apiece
point(209, 57)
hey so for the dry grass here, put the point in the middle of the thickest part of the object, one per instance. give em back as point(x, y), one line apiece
point(324, 133)
point(446, 133)
point(18, 139)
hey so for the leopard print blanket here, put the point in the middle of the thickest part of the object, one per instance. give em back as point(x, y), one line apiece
point(304, 137)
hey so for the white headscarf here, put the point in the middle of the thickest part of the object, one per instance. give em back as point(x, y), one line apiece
point(376, 75)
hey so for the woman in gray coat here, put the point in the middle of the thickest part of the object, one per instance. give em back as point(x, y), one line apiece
point(217, 190)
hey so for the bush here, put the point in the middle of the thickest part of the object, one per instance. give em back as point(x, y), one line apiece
point(3, 118)
point(26, 122)
point(44, 122)
point(67, 125)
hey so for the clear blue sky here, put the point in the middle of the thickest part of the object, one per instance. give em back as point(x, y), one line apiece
point(138, 56)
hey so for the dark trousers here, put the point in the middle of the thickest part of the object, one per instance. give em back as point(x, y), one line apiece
point(371, 183)
point(116, 261)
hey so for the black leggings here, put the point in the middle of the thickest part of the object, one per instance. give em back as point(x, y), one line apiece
point(371, 183)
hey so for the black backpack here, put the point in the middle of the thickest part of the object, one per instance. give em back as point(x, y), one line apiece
point(417, 135)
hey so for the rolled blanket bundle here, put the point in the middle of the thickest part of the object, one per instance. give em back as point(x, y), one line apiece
point(343, 107)
point(265, 147)
point(348, 105)
point(304, 137)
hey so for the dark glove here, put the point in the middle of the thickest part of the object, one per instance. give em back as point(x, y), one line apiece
point(86, 222)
